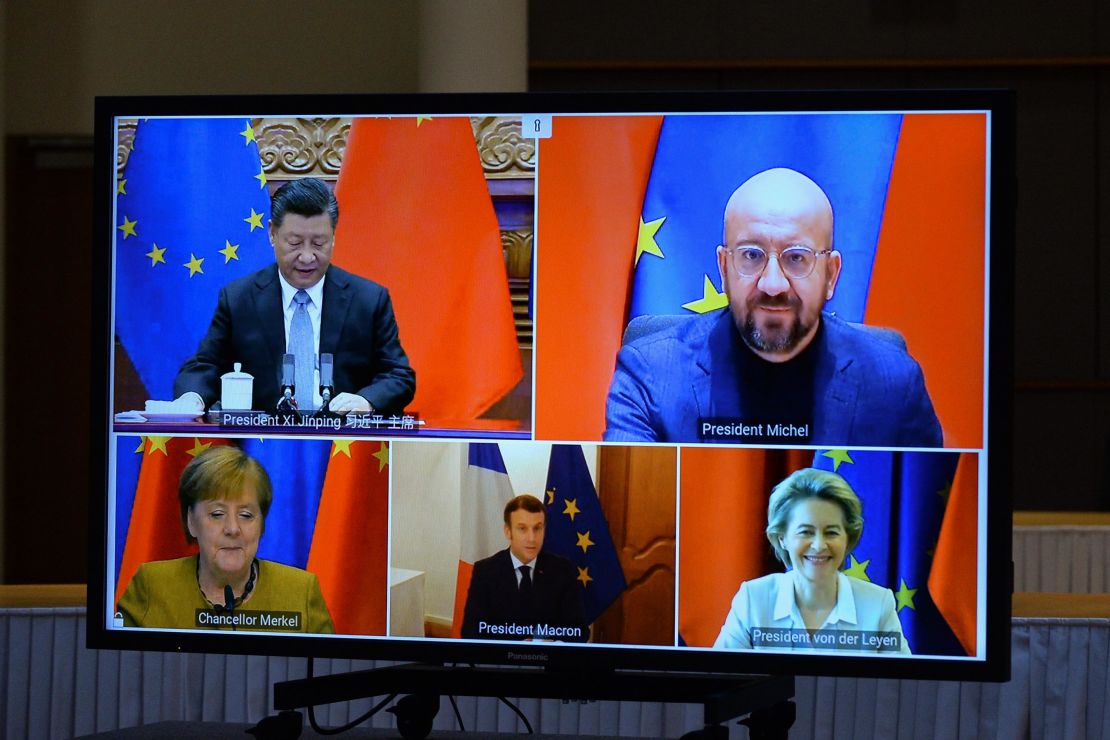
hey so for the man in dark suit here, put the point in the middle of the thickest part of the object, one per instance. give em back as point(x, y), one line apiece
point(524, 593)
point(303, 304)
point(774, 368)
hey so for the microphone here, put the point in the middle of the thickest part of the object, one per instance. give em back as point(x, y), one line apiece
point(327, 367)
point(288, 384)
point(229, 601)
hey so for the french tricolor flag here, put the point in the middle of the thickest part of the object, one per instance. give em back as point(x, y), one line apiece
point(485, 491)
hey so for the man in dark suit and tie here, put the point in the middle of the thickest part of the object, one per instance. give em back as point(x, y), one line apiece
point(524, 593)
point(303, 305)
point(773, 368)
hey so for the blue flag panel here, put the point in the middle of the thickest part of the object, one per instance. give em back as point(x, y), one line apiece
point(192, 210)
point(297, 468)
point(577, 530)
point(486, 455)
point(701, 160)
point(904, 495)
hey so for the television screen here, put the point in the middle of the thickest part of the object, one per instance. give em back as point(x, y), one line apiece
point(683, 381)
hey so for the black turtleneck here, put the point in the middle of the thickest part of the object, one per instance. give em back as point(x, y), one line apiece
point(777, 392)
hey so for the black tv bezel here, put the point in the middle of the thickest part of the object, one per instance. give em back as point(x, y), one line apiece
point(996, 666)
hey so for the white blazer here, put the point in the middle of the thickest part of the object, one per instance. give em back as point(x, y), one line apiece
point(768, 602)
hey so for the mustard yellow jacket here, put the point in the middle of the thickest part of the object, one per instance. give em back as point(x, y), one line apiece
point(165, 594)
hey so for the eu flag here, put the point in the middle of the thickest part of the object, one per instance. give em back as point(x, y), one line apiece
point(701, 160)
point(296, 468)
point(904, 495)
point(191, 214)
point(576, 529)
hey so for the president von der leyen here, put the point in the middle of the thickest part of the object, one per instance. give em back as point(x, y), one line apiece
point(773, 368)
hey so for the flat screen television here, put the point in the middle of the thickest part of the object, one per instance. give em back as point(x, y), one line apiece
point(728, 374)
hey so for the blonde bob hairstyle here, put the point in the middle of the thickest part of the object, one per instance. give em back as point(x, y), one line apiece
point(805, 484)
point(222, 471)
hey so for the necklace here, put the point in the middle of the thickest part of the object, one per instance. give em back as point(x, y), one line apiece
point(239, 599)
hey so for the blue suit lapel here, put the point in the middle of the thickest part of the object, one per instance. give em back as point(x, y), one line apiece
point(716, 384)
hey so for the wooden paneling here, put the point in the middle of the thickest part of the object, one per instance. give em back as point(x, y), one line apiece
point(636, 486)
point(47, 355)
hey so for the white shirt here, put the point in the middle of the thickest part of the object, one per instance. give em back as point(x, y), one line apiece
point(517, 562)
point(769, 602)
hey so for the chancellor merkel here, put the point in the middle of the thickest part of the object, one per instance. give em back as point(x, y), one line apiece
point(224, 497)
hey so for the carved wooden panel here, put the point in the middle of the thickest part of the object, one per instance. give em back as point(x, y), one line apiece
point(298, 147)
point(504, 152)
point(125, 135)
point(314, 146)
point(636, 486)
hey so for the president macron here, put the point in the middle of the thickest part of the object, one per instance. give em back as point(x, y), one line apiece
point(523, 592)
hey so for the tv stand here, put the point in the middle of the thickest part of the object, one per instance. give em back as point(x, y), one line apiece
point(723, 696)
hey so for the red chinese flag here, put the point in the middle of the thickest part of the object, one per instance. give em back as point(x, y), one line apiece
point(954, 576)
point(349, 543)
point(723, 518)
point(929, 270)
point(416, 216)
point(592, 176)
point(155, 532)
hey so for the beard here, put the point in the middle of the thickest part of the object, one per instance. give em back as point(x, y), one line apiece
point(783, 336)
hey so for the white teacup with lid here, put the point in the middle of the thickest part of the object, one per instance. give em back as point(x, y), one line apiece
point(236, 389)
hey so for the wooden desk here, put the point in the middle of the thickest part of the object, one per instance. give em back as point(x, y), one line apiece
point(41, 595)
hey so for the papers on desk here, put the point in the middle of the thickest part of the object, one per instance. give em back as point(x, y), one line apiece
point(166, 412)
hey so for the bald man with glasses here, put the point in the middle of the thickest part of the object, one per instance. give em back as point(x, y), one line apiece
point(774, 368)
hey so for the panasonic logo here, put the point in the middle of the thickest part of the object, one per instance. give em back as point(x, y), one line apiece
point(526, 656)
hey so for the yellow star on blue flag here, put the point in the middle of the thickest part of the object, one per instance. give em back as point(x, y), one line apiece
point(645, 239)
point(710, 300)
point(904, 596)
point(838, 457)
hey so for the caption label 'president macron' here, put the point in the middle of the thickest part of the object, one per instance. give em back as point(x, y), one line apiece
point(303, 305)
point(774, 368)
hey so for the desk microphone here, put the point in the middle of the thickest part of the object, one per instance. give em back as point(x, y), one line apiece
point(327, 366)
point(288, 386)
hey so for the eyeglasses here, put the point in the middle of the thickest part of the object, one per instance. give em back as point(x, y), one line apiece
point(796, 262)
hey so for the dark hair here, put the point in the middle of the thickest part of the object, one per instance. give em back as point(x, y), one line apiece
point(527, 502)
point(306, 196)
point(218, 472)
point(812, 483)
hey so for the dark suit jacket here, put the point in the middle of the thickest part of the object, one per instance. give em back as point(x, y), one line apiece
point(868, 391)
point(356, 325)
point(494, 597)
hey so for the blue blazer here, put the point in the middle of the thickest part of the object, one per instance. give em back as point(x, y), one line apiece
point(357, 325)
point(868, 390)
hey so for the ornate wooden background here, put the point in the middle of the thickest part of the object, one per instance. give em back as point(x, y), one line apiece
point(298, 147)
